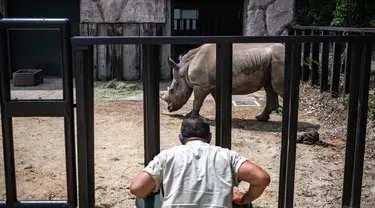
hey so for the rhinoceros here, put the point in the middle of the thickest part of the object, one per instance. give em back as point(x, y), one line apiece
point(255, 66)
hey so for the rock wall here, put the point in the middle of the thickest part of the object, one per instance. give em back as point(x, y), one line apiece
point(267, 17)
point(123, 11)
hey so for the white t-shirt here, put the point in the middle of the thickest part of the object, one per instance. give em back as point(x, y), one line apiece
point(196, 175)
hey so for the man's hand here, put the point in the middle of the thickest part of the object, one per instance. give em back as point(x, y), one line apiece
point(238, 198)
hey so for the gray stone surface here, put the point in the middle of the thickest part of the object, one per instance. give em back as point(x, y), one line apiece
point(267, 17)
point(278, 15)
point(255, 4)
point(256, 24)
point(123, 11)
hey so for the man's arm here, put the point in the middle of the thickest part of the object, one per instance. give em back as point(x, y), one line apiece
point(142, 185)
point(256, 177)
point(150, 179)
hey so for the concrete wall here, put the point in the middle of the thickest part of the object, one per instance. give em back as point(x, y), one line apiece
point(125, 18)
point(267, 17)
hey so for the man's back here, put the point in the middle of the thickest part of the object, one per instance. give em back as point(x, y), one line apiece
point(196, 175)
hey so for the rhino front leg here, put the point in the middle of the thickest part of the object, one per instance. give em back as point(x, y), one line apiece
point(272, 103)
point(199, 97)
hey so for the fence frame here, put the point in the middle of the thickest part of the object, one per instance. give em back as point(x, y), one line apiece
point(83, 60)
point(223, 107)
point(313, 49)
point(37, 108)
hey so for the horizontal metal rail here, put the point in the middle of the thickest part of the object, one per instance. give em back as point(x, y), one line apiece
point(33, 24)
point(333, 29)
point(36, 204)
point(131, 40)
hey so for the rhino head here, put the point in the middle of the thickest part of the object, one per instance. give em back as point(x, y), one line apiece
point(179, 92)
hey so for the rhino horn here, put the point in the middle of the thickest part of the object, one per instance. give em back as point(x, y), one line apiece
point(172, 63)
point(162, 96)
point(180, 57)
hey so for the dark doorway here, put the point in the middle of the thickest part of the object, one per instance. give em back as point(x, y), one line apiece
point(41, 49)
point(205, 18)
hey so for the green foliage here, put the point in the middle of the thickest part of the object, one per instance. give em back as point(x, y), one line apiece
point(339, 13)
point(372, 106)
point(345, 13)
point(278, 111)
point(312, 12)
point(309, 61)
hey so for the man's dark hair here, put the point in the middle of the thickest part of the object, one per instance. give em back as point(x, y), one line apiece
point(195, 126)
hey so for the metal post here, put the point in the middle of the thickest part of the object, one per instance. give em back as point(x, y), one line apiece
point(285, 124)
point(364, 80)
point(351, 126)
point(306, 54)
point(70, 151)
point(151, 115)
point(348, 65)
point(293, 124)
point(85, 125)
point(315, 57)
point(289, 128)
point(224, 55)
point(151, 106)
point(6, 121)
point(335, 82)
point(324, 64)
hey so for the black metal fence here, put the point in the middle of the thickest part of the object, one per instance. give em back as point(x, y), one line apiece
point(82, 48)
point(318, 67)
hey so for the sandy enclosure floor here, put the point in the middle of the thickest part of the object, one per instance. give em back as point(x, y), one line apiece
point(40, 159)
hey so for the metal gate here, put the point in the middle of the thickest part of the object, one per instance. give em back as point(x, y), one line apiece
point(83, 60)
point(41, 108)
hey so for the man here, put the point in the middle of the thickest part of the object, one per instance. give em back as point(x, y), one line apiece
point(196, 174)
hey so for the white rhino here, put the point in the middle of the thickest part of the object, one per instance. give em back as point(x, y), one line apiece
point(254, 66)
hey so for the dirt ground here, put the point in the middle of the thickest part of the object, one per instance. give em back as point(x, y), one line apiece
point(40, 160)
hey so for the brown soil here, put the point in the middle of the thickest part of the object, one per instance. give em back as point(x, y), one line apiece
point(40, 163)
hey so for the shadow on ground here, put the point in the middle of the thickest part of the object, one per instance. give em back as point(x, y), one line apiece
point(255, 125)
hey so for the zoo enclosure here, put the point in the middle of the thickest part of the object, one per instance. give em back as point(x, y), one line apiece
point(80, 50)
point(316, 64)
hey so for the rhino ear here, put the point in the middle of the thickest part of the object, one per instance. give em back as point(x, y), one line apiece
point(180, 57)
point(172, 64)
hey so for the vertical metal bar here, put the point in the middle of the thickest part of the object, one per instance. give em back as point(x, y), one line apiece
point(224, 56)
point(151, 106)
point(285, 124)
point(299, 33)
point(293, 124)
point(351, 126)
point(364, 80)
point(69, 119)
point(85, 126)
point(335, 82)
point(324, 64)
point(348, 65)
point(7, 127)
point(315, 57)
point(151, 115)
point(306, 54)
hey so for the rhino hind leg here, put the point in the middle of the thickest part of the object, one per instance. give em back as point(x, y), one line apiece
point(272, 103)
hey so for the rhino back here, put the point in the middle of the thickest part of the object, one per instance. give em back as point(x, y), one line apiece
point(250, 67)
